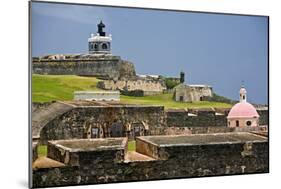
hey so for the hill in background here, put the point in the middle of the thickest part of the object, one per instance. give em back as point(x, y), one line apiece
point(47, 88)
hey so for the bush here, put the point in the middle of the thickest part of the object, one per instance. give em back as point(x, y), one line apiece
point(218, 98)
point(171, 82)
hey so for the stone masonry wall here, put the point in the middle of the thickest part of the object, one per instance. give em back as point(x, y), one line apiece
point(204, 118)
point(190, 118)
point(103, 67)
point(173, 162)
point(264, 116)
point(135, 87)
point(73, 123)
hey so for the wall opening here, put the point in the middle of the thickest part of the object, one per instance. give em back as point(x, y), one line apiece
point(117, 130)
point(181, 98)
point(248, 123)
point(104, 46)
point(237, 123)
point(137, 129)
point(95, 132)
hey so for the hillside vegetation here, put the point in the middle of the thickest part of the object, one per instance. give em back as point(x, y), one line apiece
point(46, 88)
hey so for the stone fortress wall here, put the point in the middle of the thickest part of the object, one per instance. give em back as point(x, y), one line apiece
point(97, 120)
point(101, 66)
point(67, 120)
point(135, 87)
point(158, 158)
point(205, 117)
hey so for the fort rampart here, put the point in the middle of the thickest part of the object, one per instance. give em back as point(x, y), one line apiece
point(83, 119)
point(166, 157)
point(104, 66)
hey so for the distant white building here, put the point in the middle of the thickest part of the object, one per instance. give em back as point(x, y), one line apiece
point(97, 95)
point(100, 43)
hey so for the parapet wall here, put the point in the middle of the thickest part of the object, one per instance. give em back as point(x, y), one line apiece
point(215, 117)
point(76, 119)
point(110, 120)
point(171, 157)
point(136, 87)
point(196, 118)
point(105, 67)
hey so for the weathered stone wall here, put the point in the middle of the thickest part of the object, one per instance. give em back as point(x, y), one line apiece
point(264, 116)
point(136, 87)
point(213, 129)
point(39, 105)
point(195, 118)
point(172, 161)
point(65, 120)
point(34, 151)
point(205, 117)
point(76, 122)
point(106, 66)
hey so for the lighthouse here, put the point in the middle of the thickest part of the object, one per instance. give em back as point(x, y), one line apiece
point(100, 43)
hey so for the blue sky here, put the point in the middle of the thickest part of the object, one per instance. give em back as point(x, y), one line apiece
point(214, 49)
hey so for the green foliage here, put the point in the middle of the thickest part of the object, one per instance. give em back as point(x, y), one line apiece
point(42, 150)
point(218, 98)
point(171, 82)
point(132, 145)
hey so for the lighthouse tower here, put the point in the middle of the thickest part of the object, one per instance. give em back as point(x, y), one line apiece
point(100, 43)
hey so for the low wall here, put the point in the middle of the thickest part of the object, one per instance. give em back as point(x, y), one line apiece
point(82, 116)
point(97, 95)
point(172, 157)
point(216, 117)
point(205, 130)
point(195, 118)
point(134, 87)
point(80, 151)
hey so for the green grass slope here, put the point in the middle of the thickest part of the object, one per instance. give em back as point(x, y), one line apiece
point(167, 101)
point(46, 88)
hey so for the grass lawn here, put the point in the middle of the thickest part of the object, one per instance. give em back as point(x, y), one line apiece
point(46, 88)
point(167, 101)
point(132, 145)
point(42, 150)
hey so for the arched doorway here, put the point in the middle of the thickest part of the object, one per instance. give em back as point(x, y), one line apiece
point(95, 132)
point(116, 130)
point(137, 129)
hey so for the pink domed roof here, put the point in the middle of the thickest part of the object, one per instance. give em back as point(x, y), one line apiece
point(243, 110)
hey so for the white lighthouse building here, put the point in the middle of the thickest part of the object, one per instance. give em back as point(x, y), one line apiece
point(100, 43)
